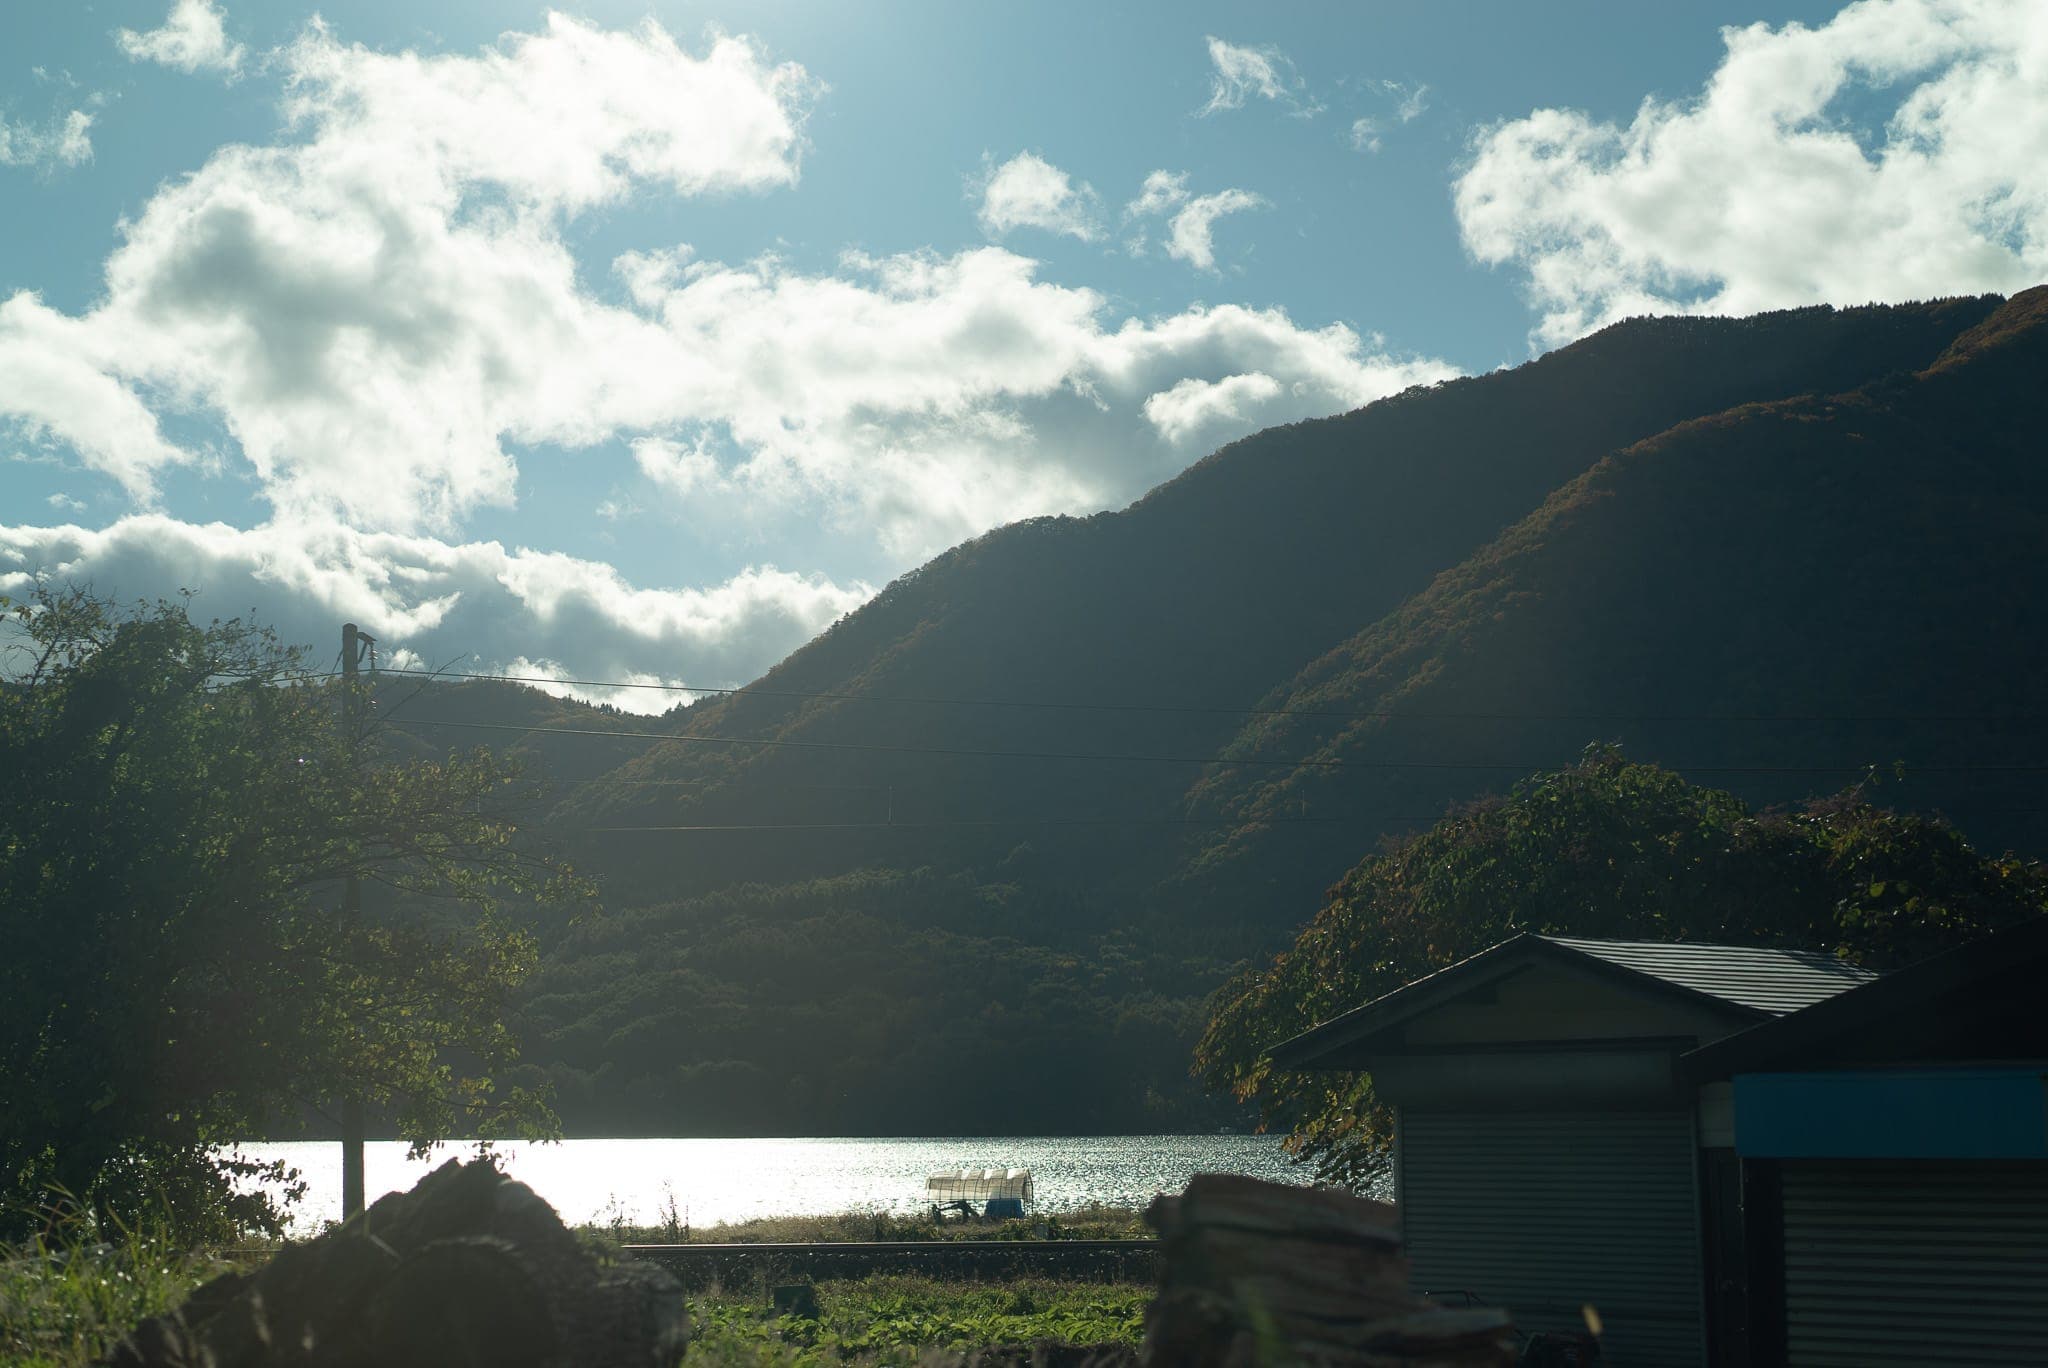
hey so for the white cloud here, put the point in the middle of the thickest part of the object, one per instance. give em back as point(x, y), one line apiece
point(374, 311)
point(1163, 190)
point(1192, 406)
point(380, 312)
point(679, 470)
point(1241, 72)
point(1191, 231)
point(928, 398)
point(435, 601)
point(1764, 192)
point(1029, 192)
point(1410, 103)
point(564, 119)
point(193, 39)
point(1191, 234)
point(68, 142)
point(64, 503)
point(55, 385)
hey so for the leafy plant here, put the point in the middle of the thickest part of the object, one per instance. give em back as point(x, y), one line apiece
point(1604, 848)
point(80, 1282)
point(178, 966)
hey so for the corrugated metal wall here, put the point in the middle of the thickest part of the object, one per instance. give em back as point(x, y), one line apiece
point(1544, 1214)
point(1916, 1263)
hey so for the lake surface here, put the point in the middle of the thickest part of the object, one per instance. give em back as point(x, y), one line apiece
point(738, 1180)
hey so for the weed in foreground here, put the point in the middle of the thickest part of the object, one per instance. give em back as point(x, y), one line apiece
point(907, 1320)
point(68, 1294)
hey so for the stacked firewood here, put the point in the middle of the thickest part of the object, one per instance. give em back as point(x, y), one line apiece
point(1263, 1273)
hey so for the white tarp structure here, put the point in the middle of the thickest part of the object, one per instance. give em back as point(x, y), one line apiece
point(979, 1185)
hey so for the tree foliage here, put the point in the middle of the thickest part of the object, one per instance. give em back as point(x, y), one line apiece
point(177, 968)
point(1604, 848)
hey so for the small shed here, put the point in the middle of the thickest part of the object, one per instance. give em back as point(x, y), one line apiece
point(989, 1191)
point(1551, 1152)
point(1893, 1152)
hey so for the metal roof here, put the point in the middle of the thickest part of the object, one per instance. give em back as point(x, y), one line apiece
point(1762, 979)
point(1995, 979)
point(1745, 983)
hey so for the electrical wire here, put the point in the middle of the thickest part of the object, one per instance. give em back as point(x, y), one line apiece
point(1522, 767)
point(755, 691)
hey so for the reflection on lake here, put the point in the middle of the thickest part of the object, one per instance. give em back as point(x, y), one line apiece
point(738, 1180)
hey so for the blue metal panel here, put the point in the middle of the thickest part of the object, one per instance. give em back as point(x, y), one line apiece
point(1893, 1114)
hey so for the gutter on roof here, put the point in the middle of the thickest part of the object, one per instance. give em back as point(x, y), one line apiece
point(1412, 999)
point(1299, 1052)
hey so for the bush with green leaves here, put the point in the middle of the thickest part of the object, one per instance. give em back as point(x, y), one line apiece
point(178, 968)
point(1604, 848)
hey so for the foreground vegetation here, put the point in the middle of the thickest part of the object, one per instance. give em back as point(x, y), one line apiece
point(892, 1320)
point(1085, 1223)
point(70, 1292)
point(1604, 848)
point(183, 960)
point(68, 1297)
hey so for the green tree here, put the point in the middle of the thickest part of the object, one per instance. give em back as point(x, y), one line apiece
point(1603, 848)
point(182, 803)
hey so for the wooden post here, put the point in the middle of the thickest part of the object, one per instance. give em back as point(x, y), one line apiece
point(352, 1124)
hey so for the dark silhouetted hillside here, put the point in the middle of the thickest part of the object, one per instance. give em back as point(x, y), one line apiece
point(931, 900)
point(1765, 599)
point(1137, 632)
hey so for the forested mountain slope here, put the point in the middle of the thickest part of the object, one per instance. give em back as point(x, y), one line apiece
point(1139, 632)
point(932, 903)
point(1765, 599)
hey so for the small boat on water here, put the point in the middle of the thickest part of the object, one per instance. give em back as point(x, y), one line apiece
point(993, 1194)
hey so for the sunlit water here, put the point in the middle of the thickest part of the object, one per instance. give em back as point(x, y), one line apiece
point(738, 1180)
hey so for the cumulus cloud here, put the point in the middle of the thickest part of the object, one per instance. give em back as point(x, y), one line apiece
point(928, 398)
point(1191, 229)
point(193, 38)
point(565, 119)
point(1028, 191)
point(1239, 73)
point(1193, 406)
point(383, 308)
point(678, 469)
point(67, 142)
point(373, 311)
point(55, 386)
point(1769, 190)
point(519, 611)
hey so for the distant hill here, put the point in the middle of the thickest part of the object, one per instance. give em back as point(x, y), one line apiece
point(562, 744)
point(964, 863)
point(1141, 631)
point(1751, 597)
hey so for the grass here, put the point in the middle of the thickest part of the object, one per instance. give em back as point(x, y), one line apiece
point(907, 1320)
point(1086, 1223)
point(70, 1294)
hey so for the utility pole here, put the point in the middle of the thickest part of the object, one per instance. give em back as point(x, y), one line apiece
point(353, 646)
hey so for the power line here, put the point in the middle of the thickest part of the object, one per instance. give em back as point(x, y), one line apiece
point(1131, 758)
point(985, 822)
point(752, 690)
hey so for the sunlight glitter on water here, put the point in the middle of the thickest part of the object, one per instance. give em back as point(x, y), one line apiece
point(737, 1180)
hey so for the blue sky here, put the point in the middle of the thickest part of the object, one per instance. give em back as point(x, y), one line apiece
point(642, 340)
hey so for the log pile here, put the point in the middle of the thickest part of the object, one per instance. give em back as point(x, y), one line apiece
point(1258, 1273)
point(467, 1268)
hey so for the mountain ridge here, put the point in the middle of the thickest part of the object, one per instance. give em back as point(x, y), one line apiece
point(1318, 528)
point(1429, 655)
